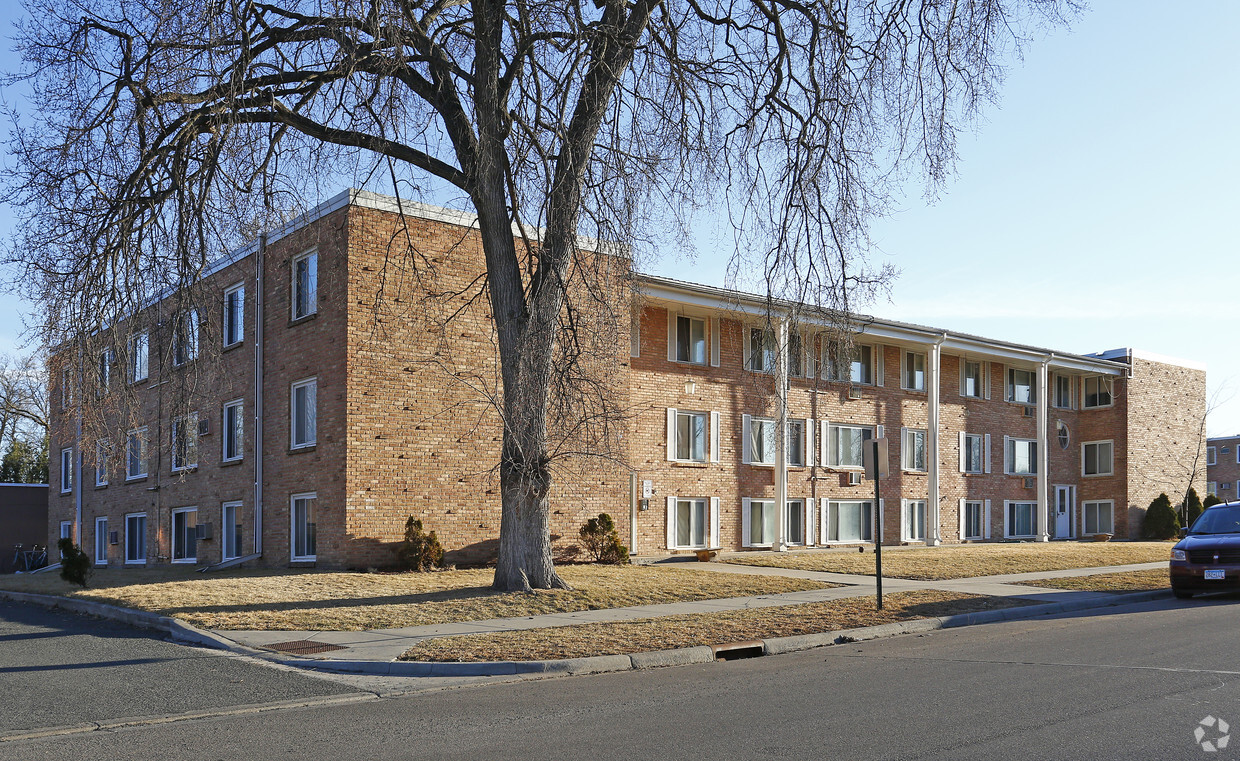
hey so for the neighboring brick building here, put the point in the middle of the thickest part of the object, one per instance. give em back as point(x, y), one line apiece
point(1223, 467)
point(364, 413)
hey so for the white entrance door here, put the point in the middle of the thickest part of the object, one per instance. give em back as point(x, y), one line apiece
point(1065, 500)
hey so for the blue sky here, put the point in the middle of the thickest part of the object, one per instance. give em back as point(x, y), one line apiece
point(1092, 208)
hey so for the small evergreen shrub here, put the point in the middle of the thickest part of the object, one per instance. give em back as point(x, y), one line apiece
point(74, 564)
point(601, 542)
point(1211, 501)
point(1194, 507)
point(1161, 520)
point(419, 551)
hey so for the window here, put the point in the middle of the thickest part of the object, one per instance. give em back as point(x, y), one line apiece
point(761, 441)
point(689, 523)
point(1022, 457)
point(234, 315)
point(762, 350)
point(1020, 386)
point(691, 436)
point(102, 448)
point(1210, 456)
point(849, 521)
point(185, 442)
point(139, 343)
point(66, 529)
point(106, 358)
point(1099, 517)
point(66, 470)
point(230, 530)
point(66, 388)
point(185, 535)
point(913, 449)
point(973, 520)
point(302, 512)
point(303, 411)
point(1020, 519)
point(796, 355)
point(232, 432)
point(759, 517)
point(135, 454)
point(845, 445)
point(101, 541)
point(185, 337)
point(1226, 486)
point(973, 379)
point(1063, 392)
point(913, 377)
point(1063, 434)
point(1096, 458)
point(794, 448)
point(690, 340)
point(794, 521)
point(1211, 488)
point(973, 453)
point(855, 366)
point(305, 285)
point(135, 538)
point(913, 521)
point(1097, 392)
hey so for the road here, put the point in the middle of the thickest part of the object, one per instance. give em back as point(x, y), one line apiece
point(1122, 683)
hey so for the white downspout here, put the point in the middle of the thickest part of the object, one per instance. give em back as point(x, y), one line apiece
point(933, 382)
point(259, 319)
point(1044, 512)
point(781, 436)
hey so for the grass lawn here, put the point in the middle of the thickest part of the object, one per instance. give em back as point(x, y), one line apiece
point(353, 601)
point(669, 632)
point(961, 562)
point(1131, 581)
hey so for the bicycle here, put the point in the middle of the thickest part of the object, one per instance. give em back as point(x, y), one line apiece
point(25, 561)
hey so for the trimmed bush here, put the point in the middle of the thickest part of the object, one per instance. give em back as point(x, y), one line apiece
point(419, 551)
point(74, 564)
point(601, 542)
point(1211, 501)
point(1161, 520)
point(1194, 507)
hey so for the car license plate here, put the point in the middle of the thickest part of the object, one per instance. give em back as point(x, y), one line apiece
point(1214, 573)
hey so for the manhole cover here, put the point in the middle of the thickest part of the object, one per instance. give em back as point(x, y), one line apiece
point(303, 647)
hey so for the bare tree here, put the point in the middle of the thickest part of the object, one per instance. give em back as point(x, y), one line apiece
point(23, 400)
point(165, 128)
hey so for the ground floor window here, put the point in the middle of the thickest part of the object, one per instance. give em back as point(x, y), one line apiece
point(1021, 519)
point(1099, 517)
point(794, 521)
point(304, 507)
point(230, 530)
point(690, 527)
point(914, 521)
point(101, 541)
point(185, 535)
point(135, 538)
point(973, 520)
point(848, 521)
point(759, 527)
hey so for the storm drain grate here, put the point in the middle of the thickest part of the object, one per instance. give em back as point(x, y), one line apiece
point(303, 647)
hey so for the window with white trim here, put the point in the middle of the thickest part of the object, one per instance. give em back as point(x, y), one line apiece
point(1063, 434)
point(762, 441)
point(135, 538)
point(913, 371)
point(763, 350)
point(101, 541)
point(303, 412)
point(1020, 519)
point(234, 315)
point(690, 340)
point(185, 442)
point(1210, 456)
point(759, 517)
point(794, 521)
point(1099, 517)
point(66, 470)
point(66, 529)
point(795, 446)
point(230, 530)
point(139, 356)
point(135, 453)
point(102, 452)
point(304, 534)
point(973, 520)
point(1096, 458)
point(796, 355)
point(691, 432)
point(1063, 392)
point(845, 445)
point(1021, 457)
point(691, 524)
point(849, 521)
point(913, 520)
point(973, 453)
point(231, 432)
point(913, 449)
point(855, 365)
point(185, 337)
point(106, 358)
point(185, 535)
point(1098, 391)
point(1021, 386)
point(1212, 488)
point(973, 379)
point(305, 284)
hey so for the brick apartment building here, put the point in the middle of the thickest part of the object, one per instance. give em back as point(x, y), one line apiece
point(358, 417)
point(1223, 467)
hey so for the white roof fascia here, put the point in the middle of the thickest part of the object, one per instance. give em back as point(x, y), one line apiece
point(1149, 356)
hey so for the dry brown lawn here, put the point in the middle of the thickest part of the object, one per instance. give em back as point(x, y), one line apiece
point(283, 600)
point(960, 562)
point(617, 638)
point(1131, 581)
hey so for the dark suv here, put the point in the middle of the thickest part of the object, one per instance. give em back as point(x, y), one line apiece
point(1207, 559)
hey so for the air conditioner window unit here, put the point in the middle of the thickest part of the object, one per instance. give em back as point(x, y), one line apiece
point(854, 392)
point(1031, 483)
point(854, 478)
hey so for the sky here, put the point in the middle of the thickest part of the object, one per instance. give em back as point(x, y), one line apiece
point(1092, 208)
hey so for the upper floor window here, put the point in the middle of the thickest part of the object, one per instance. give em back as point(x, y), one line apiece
point(1021, 458)
point(691, 436)
point(846, 445)
point(106, 358)
point(135, 453)
point(102, 452)
point(1210, 456)
point(854, 366)
point(1020, 386)
point(972, 452)
point(305, 284)
point(231, 433)
point(913, 449)
point(795, 447)
point(234, 315)
point(66, 470)
point(1097, 391)
point(796, 355)
point(761, 441)
point(973, 379)
point(913, 374)
point(185, 337)
point(690, 340)
point(303, 404)
point(1096, 458)
point(139, 344)
point(763, 350)
point(185, 442)
point(1211, 488)
point(1063, 392)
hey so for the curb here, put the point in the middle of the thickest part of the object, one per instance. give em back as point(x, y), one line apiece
point(599, 664)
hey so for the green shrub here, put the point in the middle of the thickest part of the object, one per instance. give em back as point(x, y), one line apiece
point(419, 551)
point(1194, 507)
point(601, 542)
point(1161, 520)
point(74, 564)
point(1211, 501)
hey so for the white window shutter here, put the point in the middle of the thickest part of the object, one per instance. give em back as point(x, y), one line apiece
point(746, 540)
point(809, 443)
point(882, 518)
point(903, 445)
point(878, 431)
point(714, 342)
point(635, 336)
point(808, 506)
point(714, 437)
point(671, 335)
point(986, 451)
point(963, 448)
point(986, 378)
point(960, 519)
point(986, 519)
point(964, 363)
point(903, 519)
point(671, 522)
point(879, 365)
point(824, 437)
point(1007, 467)
point(746, 449)
point(714, 522)
point(671, 433)
point(823, 520)
point(745, 347)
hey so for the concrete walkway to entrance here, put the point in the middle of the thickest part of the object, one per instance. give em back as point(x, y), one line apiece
point(388, 644)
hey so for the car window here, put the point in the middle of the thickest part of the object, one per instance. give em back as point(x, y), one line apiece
point(1219, 520)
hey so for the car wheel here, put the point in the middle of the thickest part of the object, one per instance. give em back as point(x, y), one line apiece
point(1181, 594)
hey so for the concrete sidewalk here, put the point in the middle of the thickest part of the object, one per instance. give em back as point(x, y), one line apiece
point(388, 644)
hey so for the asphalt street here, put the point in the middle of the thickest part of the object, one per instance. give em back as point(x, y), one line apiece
point(1115, 683)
